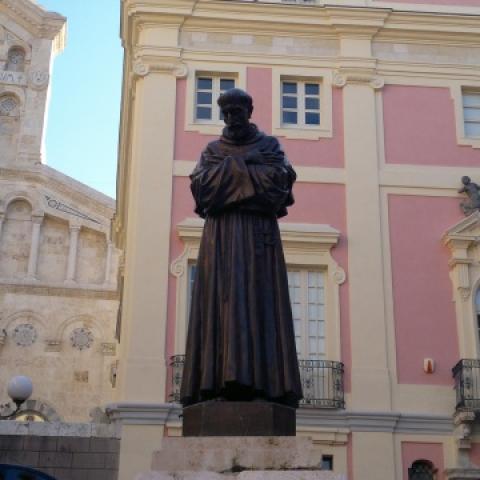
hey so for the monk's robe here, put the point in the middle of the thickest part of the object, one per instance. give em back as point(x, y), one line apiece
point(241, 341)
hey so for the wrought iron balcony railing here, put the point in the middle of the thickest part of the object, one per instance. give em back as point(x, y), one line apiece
point(467, 383)
point(322, 382)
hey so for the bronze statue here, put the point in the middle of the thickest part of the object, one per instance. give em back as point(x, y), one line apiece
point(241, 341)
point(473, 192)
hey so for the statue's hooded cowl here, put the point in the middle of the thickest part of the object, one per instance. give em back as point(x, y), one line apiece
point(241, 342)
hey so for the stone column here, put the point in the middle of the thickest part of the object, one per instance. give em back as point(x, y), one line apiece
point(34, 247)
point(147, 246)
point(72, 254)
point(369, 335)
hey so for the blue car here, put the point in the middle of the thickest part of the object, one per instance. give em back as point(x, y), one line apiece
point(13, 472)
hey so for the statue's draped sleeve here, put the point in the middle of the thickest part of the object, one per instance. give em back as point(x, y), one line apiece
point(257, 180)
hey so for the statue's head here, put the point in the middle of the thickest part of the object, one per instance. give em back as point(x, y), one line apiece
point(237, 107)
point(466, 180)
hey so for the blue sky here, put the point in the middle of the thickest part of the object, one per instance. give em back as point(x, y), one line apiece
point(83, 119)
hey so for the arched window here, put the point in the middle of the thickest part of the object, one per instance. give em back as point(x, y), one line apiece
point(16, 59)
point(421, 470)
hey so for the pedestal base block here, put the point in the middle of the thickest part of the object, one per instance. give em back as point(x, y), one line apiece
point(238, 419)
point(257, 475)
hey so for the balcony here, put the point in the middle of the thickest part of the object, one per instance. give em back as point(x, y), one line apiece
point(322, 382)
point(467, 384)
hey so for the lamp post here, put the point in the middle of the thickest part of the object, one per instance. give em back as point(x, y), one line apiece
point(19, 390)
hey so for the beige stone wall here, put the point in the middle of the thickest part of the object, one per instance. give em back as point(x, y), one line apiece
point(58, 268)
point(53, 252)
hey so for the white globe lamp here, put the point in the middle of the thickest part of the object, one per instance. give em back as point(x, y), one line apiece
point(19, 389)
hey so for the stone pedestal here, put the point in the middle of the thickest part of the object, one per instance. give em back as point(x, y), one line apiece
point(238, 419)
point(238, 458)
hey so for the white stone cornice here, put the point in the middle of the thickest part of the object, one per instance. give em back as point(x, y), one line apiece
point(327, 420)
point(40, 22)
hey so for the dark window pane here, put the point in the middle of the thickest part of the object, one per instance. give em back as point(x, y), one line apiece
point(204, 83)
point(227, 83)
point(204, 113)
point(312, 103)
point(312, 89)
point(289, 102)
point(290, 117)
point(327, 462)
point(220, 115)
point(204, 98)
point(289, 87)
point(312, 118)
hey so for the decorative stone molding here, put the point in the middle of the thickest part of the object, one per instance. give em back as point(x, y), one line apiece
point(39, 80)
point(143, 67)
point(459, 239)
point(24, 335)
point(304, 245)
point(53, 345)
point(140, 69)
point(40, 22)
point(472, 473)
point(463, 421)
point(109, 348)
point(81, 338)
point(462, 240)
point(340, 79)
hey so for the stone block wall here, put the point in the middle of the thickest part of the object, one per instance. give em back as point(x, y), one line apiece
point(64, 451)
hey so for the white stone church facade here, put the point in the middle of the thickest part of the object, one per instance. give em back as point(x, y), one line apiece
point(58, 267)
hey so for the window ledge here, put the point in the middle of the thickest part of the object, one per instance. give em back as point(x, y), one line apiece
point(303, 133)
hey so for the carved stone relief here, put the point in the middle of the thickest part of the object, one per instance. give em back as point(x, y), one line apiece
point(81, 338)
point(25, 335)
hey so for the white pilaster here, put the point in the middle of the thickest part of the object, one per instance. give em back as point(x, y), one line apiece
point(108, 264)
point(34, 247)
point(72, 254)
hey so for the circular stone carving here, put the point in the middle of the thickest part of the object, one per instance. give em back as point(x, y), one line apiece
point(339, 276)
point(81, 338)
point(25, 335)
point(39, 79)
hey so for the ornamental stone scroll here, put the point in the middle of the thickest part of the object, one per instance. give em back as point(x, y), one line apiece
point(141, 68)
point(341, 79)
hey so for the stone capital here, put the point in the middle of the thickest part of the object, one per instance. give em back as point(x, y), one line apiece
point(343, 78)
point(143, 66)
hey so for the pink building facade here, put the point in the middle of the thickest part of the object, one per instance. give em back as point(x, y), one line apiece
point(377, 106)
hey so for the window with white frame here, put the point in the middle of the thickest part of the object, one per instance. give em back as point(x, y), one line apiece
point(300, 103)
point(307, 296)
point(471, 113)
point(208, 88)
